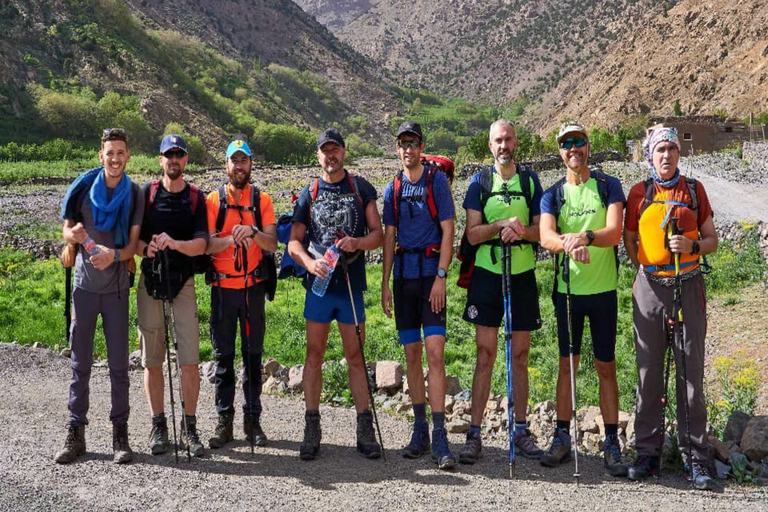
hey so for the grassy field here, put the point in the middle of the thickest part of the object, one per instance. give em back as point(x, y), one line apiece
point(32, 304)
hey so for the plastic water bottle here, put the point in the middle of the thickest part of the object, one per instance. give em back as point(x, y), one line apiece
point(90, 247)
point(330, 259)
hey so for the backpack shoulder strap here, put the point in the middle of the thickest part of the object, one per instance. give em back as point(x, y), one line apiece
point(313, 188)
point(691, 182)
point(353, 185)
point(602, 185)
point(222, 208)
point(256, 205)
point(486, 184)
point(525, 185)
point(559, 199)
point(432, 170)
point(397, 193)
point(194, 197)
point(151, 193)
point(650, 193)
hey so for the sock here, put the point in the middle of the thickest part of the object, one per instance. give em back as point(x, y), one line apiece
point(420, 413)
point(520, 427)
point(564, 425)
point(611, 429)
point(474, 429)
point(190, 419)
point(438, 420)
point(312, 413)
point(158, 418)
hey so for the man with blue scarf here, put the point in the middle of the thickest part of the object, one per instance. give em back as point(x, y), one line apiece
point(102, 212)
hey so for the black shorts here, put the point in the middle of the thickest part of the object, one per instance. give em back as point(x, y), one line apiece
point(602, 310)
point(413, 310)
point(485, 303)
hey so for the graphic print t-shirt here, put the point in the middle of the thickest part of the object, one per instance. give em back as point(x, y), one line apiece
point(336, 209)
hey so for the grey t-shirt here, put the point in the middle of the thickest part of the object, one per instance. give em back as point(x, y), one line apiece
point(114, 277)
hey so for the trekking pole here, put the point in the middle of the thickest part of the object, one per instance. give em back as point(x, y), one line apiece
point(345, 268)
point(68, 261)
point(169, 313)
point(567, 280)
point(247, 350)
point(664, 398)
point(506, 273)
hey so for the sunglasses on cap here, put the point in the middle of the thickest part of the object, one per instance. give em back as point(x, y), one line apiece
point(571, 142)
point(412, 144)
point(177, 153)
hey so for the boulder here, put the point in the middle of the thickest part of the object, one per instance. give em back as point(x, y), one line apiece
point(734, 429)
point(457, 426)
point(464, 395)
point(754, 441)
point(66, 352)
point(389, 375)
point(402, 408)
point(452, 385)
point(721, 451)
point(282, 374)
point(449, 401)
point(208, 371)
point(296, 379)
point(271, 386)
point(588, 419)
point(270, 367)
point(723, 470)
point(134, 360)
point(492, 406)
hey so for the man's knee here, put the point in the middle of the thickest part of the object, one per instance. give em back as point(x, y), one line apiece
point(605, 370)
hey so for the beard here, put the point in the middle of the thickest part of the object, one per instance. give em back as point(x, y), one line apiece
point(503, 158)
point(173, 172)
point(240, 180)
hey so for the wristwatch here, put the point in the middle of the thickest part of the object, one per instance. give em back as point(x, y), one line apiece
point(695, 248)
point(442, 273)
point(590, 236)
point(117, 255)
point(255, 230)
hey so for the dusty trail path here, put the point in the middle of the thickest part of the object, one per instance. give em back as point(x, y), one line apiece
point(33, 391)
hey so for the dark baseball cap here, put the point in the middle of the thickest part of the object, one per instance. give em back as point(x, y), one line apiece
point(172, 141)
point(410, 127)
point(330, 135)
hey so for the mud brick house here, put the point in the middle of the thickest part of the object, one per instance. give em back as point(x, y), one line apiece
point(707, 133)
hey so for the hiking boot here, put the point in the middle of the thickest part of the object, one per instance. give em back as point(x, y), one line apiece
point(612, 457)
point(252, 429)
point(472, 448)
point(700, 477)
point(644, 466)
point(189, 434)
point(74, 445)
point(559, 451)
point(525, 446)
point(123, 452)
point(441, 451)
point(158, 436)
point(419, 444)
point(366, 437)
point(312, 436)
point(223, 433)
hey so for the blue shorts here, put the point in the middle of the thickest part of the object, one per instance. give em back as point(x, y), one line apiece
point(334, 306)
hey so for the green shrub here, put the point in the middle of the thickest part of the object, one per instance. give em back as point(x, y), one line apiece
point(283, 144)
point(735, 389)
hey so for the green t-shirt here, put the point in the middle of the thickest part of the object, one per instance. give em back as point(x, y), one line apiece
point(583, 210)
point(503, 206)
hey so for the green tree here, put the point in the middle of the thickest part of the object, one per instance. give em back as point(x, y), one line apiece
point(678, 108)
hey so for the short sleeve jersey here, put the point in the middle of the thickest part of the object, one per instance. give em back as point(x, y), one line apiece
point(417, 229)
point(584, 210)
point(115, 277)
point(505, 202)
point(336, 209)
point(224, 261)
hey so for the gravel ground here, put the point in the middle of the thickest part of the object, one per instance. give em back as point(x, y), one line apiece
point(33, 393)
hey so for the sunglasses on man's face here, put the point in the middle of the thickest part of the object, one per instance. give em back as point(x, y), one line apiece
point(174, 153)
point(571, 142)
point(412, 144)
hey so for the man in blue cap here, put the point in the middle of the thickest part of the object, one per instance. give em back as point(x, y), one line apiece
point(176, 222)
point(241, 226)
point(337, 208)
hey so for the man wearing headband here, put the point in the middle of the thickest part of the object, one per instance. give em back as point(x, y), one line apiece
point(669, 214)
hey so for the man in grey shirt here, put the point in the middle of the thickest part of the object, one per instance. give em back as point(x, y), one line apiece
point(102, 212)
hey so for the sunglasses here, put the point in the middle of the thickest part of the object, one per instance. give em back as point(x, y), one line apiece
point(571, 142)
point(174, 153)
point(412, 144)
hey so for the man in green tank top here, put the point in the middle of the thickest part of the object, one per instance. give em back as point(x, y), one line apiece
point(581, 215)
point(502, 205)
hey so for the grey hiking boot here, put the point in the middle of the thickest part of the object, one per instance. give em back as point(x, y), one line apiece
point(223, 433)
point(645, 466)
point(700, 477)
point(366, 437)
point(120, 446)
point(74, 445)
point(158, 436)
point(252, 429)
point(559, 451)
point(189, 434)
point(612, 457)
point(472, 448)
point(441, 451)
point(526, 447)
point(419, 444)
point(312, 436)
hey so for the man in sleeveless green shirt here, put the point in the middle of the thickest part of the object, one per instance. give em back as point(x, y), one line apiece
point(581, 215)
point(502, 207)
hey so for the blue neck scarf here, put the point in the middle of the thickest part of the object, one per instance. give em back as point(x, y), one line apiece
point(670, 183)
point(114, 213)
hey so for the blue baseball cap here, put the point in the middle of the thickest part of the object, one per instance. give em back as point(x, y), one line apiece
point(173, 141)
point(238, 145)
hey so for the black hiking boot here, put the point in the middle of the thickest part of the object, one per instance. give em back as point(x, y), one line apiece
point(120, 446)
point(559, 451)
point(612, 457)
point(419, 444)
point(644, 466)
point(526, 447)
point(472, 448)
point(252, 429)
point(441, 451)
point(700, 477)
point(366, 436)
point(312, 436)
point(158, 436)
point(74, 445)
point(223, 433)
point(189, 434)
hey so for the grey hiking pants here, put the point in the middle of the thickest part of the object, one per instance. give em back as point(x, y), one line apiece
point(652, 308)
point(86, 307)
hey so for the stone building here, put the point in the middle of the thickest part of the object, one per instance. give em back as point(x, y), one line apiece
point(708, 133)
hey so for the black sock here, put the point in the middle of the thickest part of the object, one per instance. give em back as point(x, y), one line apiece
point(158, 418)
point(420, 413)
point(564, 425)
point(611, 429)
point(438, 420)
